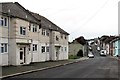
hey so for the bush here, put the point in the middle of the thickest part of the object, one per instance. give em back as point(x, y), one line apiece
point(80, 53)
point(73, 57)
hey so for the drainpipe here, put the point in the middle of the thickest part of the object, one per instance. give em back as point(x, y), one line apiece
point(9, 40)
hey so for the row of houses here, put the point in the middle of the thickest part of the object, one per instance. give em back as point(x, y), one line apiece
point(111, 44)
point(27, 37)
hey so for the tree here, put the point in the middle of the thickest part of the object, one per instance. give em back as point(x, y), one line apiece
point(81, 40)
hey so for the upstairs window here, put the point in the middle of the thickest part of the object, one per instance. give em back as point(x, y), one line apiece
point(43, 32)
point(65, 37)
point(34, 28)
point(3, 21)
point(29, 27)
point(22, 30)
point(4, 47)
point(57, 39)
point(61, 36)
point(39, 26)
point(47, 32)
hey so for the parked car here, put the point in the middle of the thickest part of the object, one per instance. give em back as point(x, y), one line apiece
point(90, 55)
point(98, 48)
point(103, 53)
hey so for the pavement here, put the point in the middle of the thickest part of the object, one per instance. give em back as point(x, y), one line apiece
point(117, 58)
point(9, 71)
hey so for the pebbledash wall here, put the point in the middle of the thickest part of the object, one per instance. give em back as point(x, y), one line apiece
point(23, 41)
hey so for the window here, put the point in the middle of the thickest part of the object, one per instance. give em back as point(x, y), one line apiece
point(34, 47)
point(61, 36)
point(47, 33)
point(39, 26)
point(43, 31)
point(57, 39)
point(29, 27)
point(22, 30)
point(65, 37)
point(47, 49)
point(62, 49)
point(34, 28)
point(29, 48)
point(65, 49)
point(43, 49)
point(4, 47)
point(3, 21)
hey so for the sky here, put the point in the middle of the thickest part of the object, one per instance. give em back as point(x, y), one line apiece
point(88, 18)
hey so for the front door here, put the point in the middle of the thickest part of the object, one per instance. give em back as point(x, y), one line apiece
point(57, 53)
point(22, 55)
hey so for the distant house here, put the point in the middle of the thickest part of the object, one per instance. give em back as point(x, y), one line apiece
point(75, 46)
point(107, 43)
point(90, 41)
point(115, 47)
point(102, 41)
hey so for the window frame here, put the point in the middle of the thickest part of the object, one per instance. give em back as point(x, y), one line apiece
point(35, 47)
point(47, 49)
point(4, 47)
point(22, 30)
point(43, 49)
point(43, 32)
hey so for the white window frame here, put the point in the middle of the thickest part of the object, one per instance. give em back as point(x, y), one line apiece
point(35, 47)
point(65, 49)
point(43, 32)
point(34, 28)
point(23, 30)
point(3, 21)
point(43, 47)
point(47, 49)
point(47, 33)
point(5, 47)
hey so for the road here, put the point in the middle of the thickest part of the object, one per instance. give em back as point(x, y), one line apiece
point(98, 67)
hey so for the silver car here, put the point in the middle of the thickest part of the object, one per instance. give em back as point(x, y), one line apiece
point(90, 55)
point(103, 53)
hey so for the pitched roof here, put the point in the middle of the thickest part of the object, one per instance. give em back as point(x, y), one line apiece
point(48, 24)
point(115, 39)
point(107, 40)
point(16, 10)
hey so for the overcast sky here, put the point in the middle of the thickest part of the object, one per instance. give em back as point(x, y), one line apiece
point(88, 18)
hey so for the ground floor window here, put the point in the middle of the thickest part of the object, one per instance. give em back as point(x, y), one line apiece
point(65, 49)
point(43, 49)
point(34, 47)
point(4, 47)
point(47, 49)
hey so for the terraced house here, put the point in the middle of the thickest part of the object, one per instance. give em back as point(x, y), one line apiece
point(27, 37)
